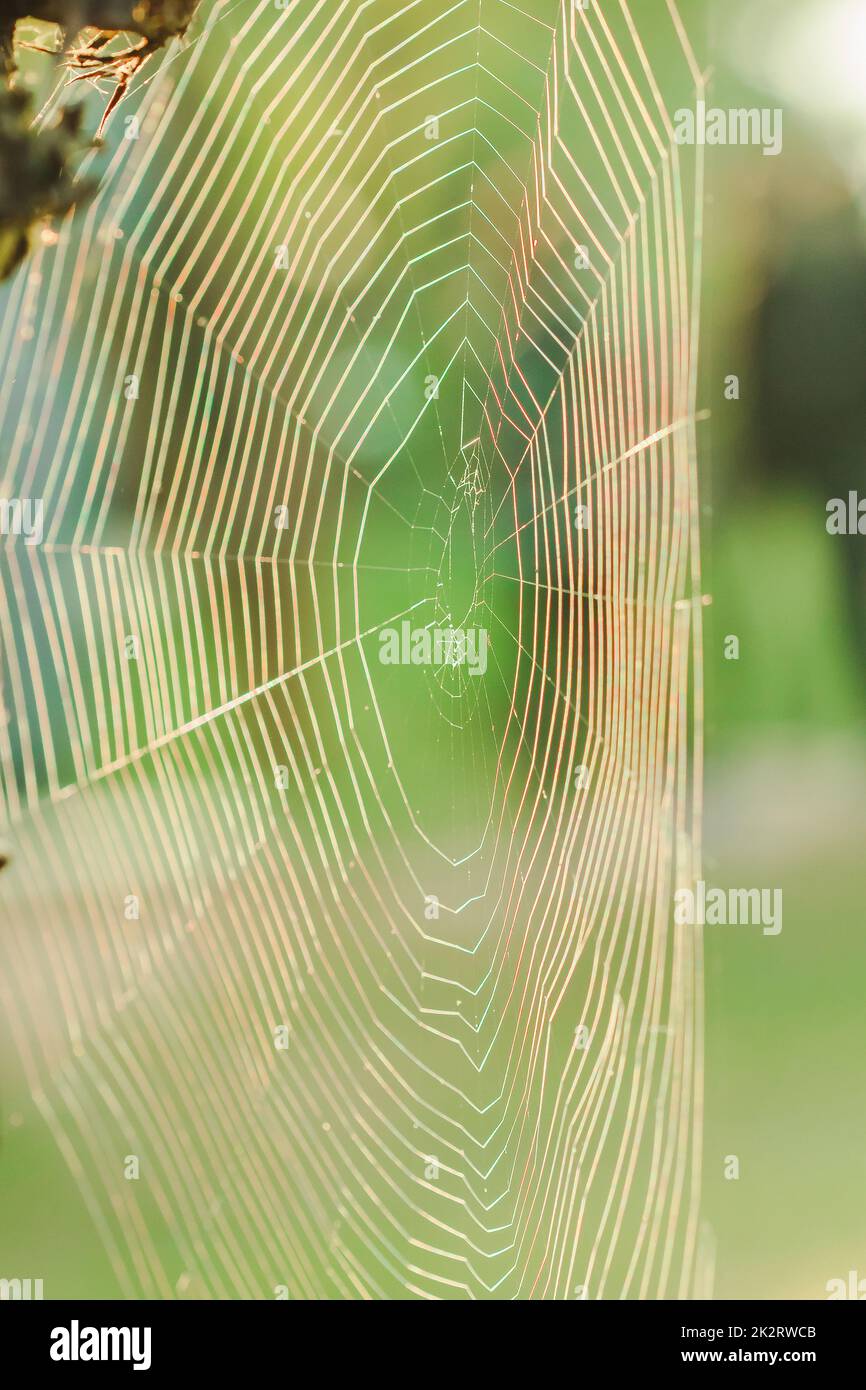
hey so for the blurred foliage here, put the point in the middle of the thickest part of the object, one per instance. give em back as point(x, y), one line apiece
point(36, 173)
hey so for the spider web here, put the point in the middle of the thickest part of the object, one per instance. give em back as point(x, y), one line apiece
point(385, 314)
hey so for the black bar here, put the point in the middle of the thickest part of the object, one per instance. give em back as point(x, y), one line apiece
point(254, 1340)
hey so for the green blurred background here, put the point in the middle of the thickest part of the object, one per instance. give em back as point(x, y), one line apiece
point(785, 310)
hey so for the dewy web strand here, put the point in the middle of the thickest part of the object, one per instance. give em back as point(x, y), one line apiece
point(358, 943)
